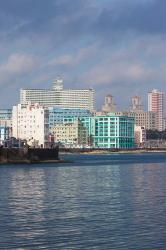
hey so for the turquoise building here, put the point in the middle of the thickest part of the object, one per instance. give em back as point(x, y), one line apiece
point(109, 131)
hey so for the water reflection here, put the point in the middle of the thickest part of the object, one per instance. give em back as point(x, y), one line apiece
point(26, 201)
point(148, 200)
point(83, 206)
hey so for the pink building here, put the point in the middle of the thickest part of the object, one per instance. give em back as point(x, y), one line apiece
point(156, 105)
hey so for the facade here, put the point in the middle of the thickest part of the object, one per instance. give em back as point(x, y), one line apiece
point(109, 105)
point(156, 105)
point(59, 97)
point(110, 131)
point(30, 123)
point(140, 135)
point(142, 118)
point(57, 115)
point(70, 133)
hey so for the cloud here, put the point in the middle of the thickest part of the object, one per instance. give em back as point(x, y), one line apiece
point(145, 17)
point(17, 65)
point(109, 44)
point(109, 72)
point(74, 59)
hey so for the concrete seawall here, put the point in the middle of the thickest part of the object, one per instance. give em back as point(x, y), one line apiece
point(28, 155)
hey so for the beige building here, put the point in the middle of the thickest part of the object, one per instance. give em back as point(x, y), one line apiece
point(142, 118)
point(109, 105)
point(71, 134)
point(136, 104)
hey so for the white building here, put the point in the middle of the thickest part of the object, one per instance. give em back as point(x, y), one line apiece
point(156, 105)
point(139, 135)
point(59, 97)
point(30, 122)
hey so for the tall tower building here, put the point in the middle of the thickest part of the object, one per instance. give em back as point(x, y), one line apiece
point(136, 104)
point(109, 105)
point(156, 105)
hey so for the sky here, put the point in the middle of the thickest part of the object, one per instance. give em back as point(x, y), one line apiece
point(117, 47)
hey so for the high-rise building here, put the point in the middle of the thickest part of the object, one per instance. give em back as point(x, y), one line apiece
point(156, 105)
point(59, 97)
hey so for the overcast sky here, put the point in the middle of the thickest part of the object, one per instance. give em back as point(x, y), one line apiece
point(114, 46)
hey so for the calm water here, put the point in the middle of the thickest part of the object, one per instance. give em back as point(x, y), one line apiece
point(99, 202)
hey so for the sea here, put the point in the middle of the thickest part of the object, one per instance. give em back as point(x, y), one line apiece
point(93, 202)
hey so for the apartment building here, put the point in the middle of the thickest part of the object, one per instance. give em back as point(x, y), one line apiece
point(59, 97)
point(70, 133)
point(30, 123)
point(156, 105)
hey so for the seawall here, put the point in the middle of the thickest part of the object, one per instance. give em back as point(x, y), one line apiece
point(28, 155)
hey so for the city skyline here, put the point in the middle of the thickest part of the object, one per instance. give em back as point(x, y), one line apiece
point(112, 46)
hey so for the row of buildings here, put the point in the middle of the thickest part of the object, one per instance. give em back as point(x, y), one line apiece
point(152, 119)
point(44, 117)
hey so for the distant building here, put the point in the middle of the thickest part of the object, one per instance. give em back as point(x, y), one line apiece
point(5, 114)
point(59, 97)
point(164, 128)
point(109, 105)
point(70, 133)
point(57, 115)
point(5, 125)
point(5, 133)
point(140, 135)
point(142, 118)
point(136, 104)
point(30, 123)
point(156, 105)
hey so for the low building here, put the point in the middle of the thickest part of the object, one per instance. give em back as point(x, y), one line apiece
point(140, 135)
point(30, 123)
point(5, 133)
point(5, 125)
point(70, 133)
